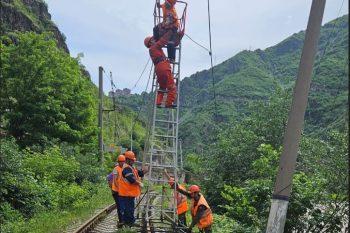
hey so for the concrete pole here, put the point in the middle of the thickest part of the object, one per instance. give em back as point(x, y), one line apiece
point(181, 161)
point(131, 136)
point(283, 186)
point(100, 114)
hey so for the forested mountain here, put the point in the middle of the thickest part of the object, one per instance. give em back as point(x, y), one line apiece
point(19, 17)
point(233, 143)
point(48, 131)
point(49, 160)
point(255, 75)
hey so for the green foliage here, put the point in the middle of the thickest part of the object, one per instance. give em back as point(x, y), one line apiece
point(312, 208)
point(243, 164)
point(43, 222)
point(249, 203)
point(33, 182)
point(45, 96)
point(19, 188)
point(51, 165)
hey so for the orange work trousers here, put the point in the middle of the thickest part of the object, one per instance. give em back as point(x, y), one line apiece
point(166, 82)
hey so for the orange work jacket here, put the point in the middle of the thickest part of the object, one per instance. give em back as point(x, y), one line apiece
point(170, 18)
point(117, 174)
point(125, 188)
point(181, 201)
point(207, 218)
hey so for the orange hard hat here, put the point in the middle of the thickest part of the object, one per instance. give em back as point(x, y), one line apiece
point(194, 188)
point(147, 41)
point(121, 158)
point(130, 155)
point(171, 181)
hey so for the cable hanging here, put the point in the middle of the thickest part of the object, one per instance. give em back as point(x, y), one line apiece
point(199, 44)
point(141, 74)
point(211, 62)
point(143, 103)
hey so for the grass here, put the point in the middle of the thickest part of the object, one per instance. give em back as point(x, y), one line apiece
point(54, 221)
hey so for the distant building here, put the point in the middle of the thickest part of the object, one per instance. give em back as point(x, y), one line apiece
point(118, 92)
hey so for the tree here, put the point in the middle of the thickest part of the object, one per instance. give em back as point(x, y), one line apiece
point(44, 94)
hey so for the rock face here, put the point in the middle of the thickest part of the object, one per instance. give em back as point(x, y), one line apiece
point(28, 15)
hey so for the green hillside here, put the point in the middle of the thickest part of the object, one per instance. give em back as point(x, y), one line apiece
point(255, 75)
point(50, 163)
point(252, 76)
point(49, 158)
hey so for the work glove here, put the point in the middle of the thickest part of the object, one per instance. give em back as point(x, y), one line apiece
point(141, 185)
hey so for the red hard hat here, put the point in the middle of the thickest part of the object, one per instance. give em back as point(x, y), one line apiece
point(147, 41)
point(121, 158)
point(194, 188)
point(130, 155)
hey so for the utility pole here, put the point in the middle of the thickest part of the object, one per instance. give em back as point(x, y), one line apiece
point(131, 136)
point(283, 186)
point(100, 114)
point(181, 162)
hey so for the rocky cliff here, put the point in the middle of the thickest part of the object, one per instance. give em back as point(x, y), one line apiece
point(28, 15)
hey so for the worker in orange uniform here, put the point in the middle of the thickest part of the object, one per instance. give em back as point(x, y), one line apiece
point(162, 68)
point(200, 210)
point(129, 188)
point(181, 200)
point(117, 174)
point(170, 23)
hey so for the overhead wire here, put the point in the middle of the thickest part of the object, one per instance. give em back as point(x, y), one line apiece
point(210, 51)
point(198, 44)
point(211, 62)
point(141, 74)
point(142, 104)
point(116, 122)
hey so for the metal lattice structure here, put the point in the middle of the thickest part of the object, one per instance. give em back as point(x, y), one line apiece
point(162, 151)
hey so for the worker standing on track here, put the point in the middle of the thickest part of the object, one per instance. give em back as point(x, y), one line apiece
point(200, 210)
point(181, 200)
point(129, 188)
point(116, 176)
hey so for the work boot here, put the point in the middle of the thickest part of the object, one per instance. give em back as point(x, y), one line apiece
point(160, 95)
point(170, 98)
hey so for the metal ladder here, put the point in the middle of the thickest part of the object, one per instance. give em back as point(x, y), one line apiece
point(162, 153)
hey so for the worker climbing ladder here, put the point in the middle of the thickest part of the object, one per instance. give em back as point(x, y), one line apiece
point(162, 152)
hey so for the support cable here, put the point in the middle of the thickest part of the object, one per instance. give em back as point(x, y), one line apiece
point(143, 102)
point(141, 74)
point(198, 44)
point(211, 62)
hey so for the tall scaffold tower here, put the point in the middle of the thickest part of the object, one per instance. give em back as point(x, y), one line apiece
point(162, 147)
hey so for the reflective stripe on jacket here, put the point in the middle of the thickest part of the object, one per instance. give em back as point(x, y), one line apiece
point(181, 201)
point(207, 218)
point(117, 174)
point(127, 189)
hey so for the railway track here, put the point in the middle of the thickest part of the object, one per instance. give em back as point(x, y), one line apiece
point(105, 221)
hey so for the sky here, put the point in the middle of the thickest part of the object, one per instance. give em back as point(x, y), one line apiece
point(110, 33)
